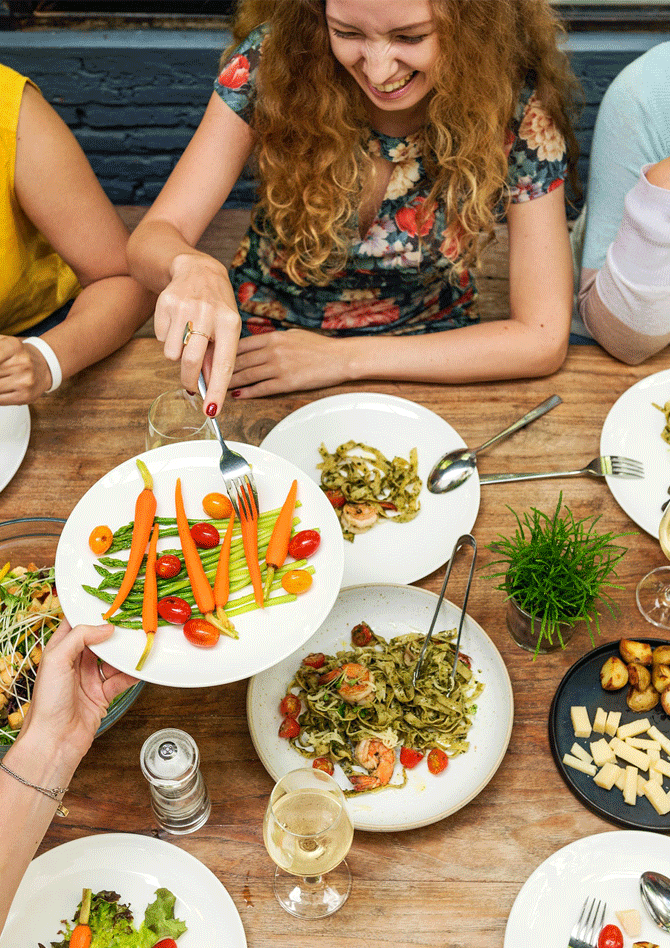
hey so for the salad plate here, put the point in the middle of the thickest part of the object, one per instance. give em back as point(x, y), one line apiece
point(393, 610)
point(14, 438)
point(606, 866)
point(581, 686)
point(633, 429)
point(389, 552)
point(134, 866)
point(265, 635)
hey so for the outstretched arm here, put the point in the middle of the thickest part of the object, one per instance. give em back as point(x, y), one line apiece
point(532, 342)
point(69, 701)
point(64, 200)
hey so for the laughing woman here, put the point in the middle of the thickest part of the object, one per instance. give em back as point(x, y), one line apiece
point(389, 138)
point(66, 299)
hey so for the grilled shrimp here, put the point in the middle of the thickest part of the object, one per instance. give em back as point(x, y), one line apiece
point(358, 518)
point(378, 759)
point(356, 683)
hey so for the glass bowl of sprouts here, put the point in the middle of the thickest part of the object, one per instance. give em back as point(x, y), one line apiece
point(29, 613)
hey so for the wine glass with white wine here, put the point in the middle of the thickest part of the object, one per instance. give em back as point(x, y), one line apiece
point(653, 590)
point(307, 832)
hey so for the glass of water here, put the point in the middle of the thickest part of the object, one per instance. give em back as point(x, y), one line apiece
point(307, 832)
point(176, 416)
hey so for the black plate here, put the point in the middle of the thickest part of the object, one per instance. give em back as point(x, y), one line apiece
point(581, 686)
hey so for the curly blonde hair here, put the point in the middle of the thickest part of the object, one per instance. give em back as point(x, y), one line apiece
point(315, 169)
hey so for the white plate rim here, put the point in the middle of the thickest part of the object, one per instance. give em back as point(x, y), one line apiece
point(94, 847)
point(616, 845)
point(461, 507)
point(222, 664)
point(21, 432)
point(358, 805)
point(630, 494)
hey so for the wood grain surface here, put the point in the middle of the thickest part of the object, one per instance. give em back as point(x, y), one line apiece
point(449, 884)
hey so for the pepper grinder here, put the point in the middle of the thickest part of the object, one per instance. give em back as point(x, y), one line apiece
point(179, 799)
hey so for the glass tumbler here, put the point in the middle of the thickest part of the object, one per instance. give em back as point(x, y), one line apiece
point(176, 416)
point(179, 799)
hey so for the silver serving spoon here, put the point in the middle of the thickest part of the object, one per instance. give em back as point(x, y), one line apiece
point(456, 467)
point(655, 892)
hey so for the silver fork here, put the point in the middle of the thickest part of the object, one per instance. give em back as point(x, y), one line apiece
point(606, 466)
point(587, 927)
point(236, 471)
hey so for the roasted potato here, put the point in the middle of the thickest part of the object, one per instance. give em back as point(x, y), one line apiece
point(665, 700)
point(660, 677)
point(661, 655)
point(613, 674)
point(632, 651)
point(642, 701)
point(639, 676)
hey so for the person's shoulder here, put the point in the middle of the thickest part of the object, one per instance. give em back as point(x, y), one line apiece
point(236, 77)
point(646, 76)
point(12, 86)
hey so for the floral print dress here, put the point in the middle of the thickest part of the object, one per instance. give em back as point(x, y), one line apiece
point(397, 279)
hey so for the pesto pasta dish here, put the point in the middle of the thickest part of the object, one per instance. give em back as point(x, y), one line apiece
point(359, 708)
point(364, 486)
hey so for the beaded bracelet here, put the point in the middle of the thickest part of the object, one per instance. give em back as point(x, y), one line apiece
point(50, 358)
point(55, 794)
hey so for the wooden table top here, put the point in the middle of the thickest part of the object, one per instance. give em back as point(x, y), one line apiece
point(451, 883)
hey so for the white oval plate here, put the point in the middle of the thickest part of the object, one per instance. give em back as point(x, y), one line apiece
point(14, 438)
point(395, 610)
point(607, 866)
point(134, 866)
point(390, 552)
point(633, 429)
point(266, 636)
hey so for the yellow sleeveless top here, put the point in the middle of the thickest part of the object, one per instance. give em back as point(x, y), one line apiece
point(34, 280)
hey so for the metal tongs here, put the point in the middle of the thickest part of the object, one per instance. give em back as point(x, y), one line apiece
point(466, 540)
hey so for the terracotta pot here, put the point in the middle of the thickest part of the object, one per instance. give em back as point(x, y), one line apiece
point(525, 629)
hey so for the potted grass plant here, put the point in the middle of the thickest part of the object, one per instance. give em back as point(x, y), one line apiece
point(557, 572)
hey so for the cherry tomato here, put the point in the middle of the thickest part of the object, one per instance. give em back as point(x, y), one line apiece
point(361, 635)
point(201, 633)
point(437, 761)
point(462, 657)
point(336, 497)
point(386, 505)
point(304, 543)
point(174, 610)
point(205, 535)
point(217, 506)
point(166, 943)
point(289, 728)
point(290, 706)
point(314, 660)
point(296, 581)
point(610, 937)
point(409, 757)
point(325, 764)
point(168, 566)
point(100, 540)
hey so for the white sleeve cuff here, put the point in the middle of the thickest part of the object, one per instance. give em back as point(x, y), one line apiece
point(50, 358)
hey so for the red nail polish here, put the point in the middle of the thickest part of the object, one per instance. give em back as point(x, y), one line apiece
point(236, 393)
point(189, 393)
point(211, 409)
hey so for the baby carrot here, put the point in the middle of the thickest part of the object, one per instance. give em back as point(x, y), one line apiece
point(202, 591)
point(249, 528)
point(222, 579)
point(281, 534)
point(150, 599)
point(81, 933)
point(145, 510)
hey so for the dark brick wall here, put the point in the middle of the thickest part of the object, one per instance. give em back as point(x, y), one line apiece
point(134, 98)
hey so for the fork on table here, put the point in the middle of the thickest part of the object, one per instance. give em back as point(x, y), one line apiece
point(610, 465)
point(587, 927)
point(237, 475)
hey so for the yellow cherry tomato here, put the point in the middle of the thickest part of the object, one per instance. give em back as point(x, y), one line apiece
point(296, 581)
point(217, 506)
point(100, 540)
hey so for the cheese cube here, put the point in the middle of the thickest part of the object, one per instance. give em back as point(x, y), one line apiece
point(620, 780)
point(578, 764)
point(630, 786)
point(633, 728)
point(612, 723)
point(653, 756)
point(629, 920)
point(606, 776)
point(630, 754)
point(662, 739)
point(657, 797)
point(643, 743)
point(599, 721)
point(602, 752)
point(662, 766)
point(578, 751)
point(580, 721)
point(640, 785)
point(656, 776)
